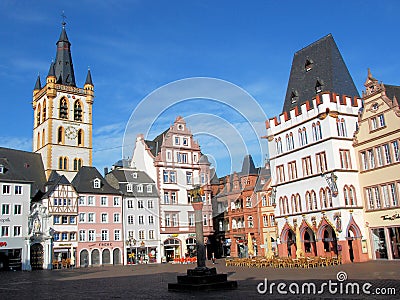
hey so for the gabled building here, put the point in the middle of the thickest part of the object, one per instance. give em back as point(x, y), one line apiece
point(100, 221)
point(236, 212)
point(22, 180)
point(173, 161)
point(60, 203)
point(376, 143)
point(62, 125)
point(319, 211)
point(266, 213)
point(141, 226)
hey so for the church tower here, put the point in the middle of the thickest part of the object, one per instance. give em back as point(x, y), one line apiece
point(62, 126)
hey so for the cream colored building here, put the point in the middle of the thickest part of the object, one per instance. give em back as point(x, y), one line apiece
point(377, 146)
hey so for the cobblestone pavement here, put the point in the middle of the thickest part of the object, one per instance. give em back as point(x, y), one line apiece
point(151, 282)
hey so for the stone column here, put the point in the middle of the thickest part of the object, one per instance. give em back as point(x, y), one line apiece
point(200, 248)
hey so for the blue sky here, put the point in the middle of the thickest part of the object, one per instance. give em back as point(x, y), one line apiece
point(135, 47)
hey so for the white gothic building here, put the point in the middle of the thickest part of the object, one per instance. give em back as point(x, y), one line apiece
point(318, 211)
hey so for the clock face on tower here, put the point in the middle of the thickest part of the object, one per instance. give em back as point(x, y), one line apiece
point(71, 132)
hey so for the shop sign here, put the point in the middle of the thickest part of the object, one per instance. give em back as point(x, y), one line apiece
point(391, 218)
point(105, 244)
point(3, 244)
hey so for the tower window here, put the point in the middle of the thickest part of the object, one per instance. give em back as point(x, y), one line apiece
point(77, 111)
point(77, 164)
point(60, 135)
point(63, 163)
point(80, 137)
point(44, 111)
point(38, 115)
point(63, 109)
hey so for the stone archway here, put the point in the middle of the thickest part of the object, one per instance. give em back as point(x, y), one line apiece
point(116, 257)
point(84, 258)
point(105, 257)
point(95, 257)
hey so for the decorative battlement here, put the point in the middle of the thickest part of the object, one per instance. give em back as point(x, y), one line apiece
point(322, 105)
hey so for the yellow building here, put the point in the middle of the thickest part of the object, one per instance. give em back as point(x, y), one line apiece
point(377, 146)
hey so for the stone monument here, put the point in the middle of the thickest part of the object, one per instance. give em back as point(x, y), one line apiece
point(201, 278)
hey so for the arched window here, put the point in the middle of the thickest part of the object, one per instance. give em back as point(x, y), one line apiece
point(291, 140)
point(298, 200)
point(80, 137)
point(300, 137)
point(38, 111)
point(314, 132)
point(319, 130)
point(77, 164)
point(346, 195)
point(63, 163)
point(305, 136)
point(77, 111)
point(63, 114)
point(341, 127)
point(285, 199)
point(294, 204)
point(65, 166)
point(60, 135)
point(308, 201)
point(323, 199)
point(38, 141)
point(352, 196)
point(43, 138)
point(314, 200)
point(287, 142)
point(282, 207)
point(329, 196)
point(44, 114)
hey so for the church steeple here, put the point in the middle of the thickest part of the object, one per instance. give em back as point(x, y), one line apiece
point(63, 66)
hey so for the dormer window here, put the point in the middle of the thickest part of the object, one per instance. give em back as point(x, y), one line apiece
point(319, 86)
point(149, 189)
point(294, 97)
point(96, 183)
point(139, 188)
point(2, 170)
point(129, 187)
point(308, 65)
point(134, 175)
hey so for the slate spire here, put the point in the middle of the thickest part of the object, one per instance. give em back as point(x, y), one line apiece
point(63, 66)
point(318, 68)
point(89, 78)
point(248, 166)
point(38, 85)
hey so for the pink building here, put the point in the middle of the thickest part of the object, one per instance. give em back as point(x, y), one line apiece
point(100, 236)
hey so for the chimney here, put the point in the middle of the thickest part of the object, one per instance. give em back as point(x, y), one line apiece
point(105, 171)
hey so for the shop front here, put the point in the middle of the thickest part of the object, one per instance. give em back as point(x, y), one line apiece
point(10, 259)
point(171, 249)
point(385, 242)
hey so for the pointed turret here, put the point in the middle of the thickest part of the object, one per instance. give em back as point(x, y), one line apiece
point(38, 84)
point(248, 166)
point(89, 78)
point(64, 69)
